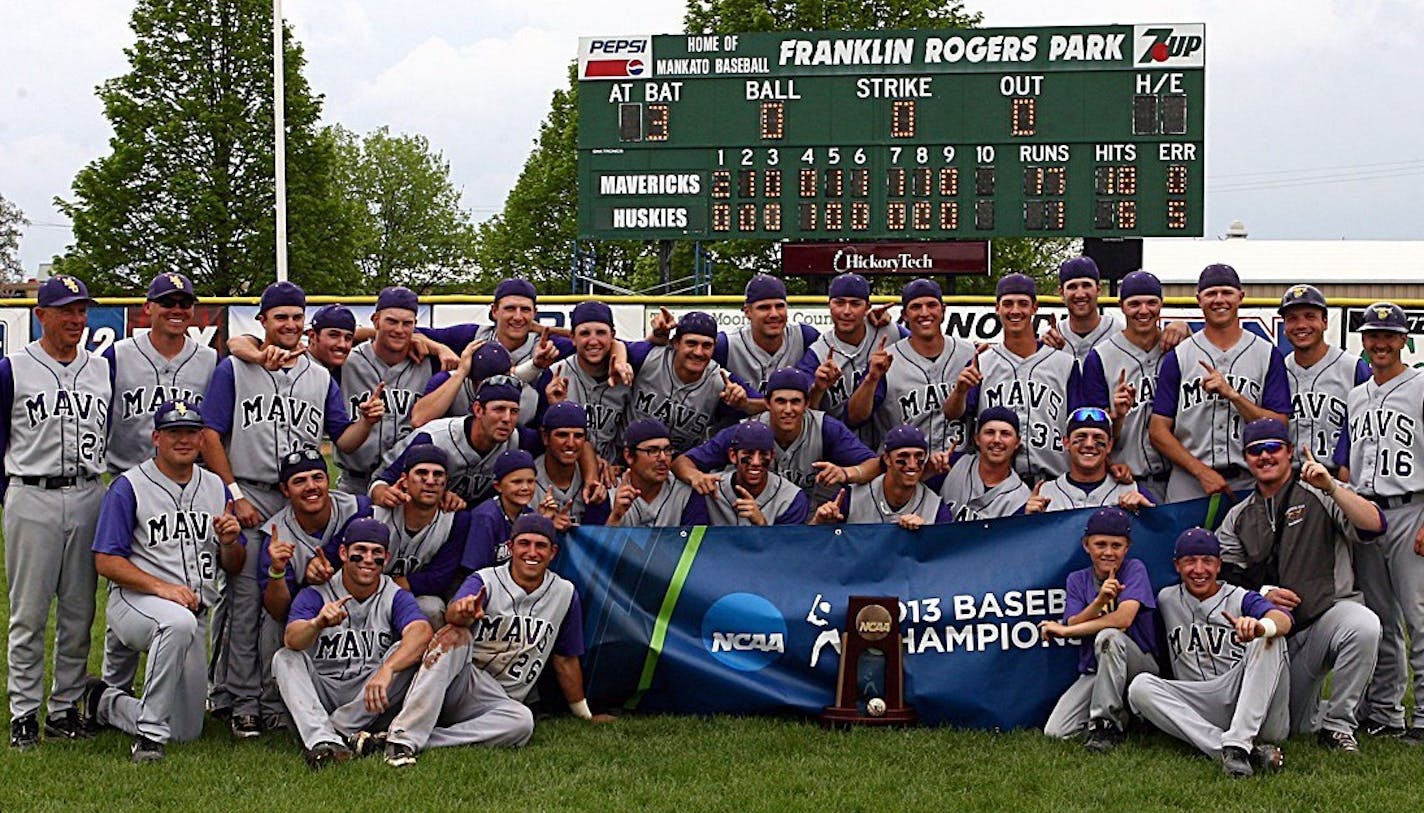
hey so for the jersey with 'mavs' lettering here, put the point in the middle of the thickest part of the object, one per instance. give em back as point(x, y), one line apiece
point(915, 388)
point(688, 410)
point(56, 421)
point(604, 405)
point(166, 528)
point(1208, 425)
point(520, 629)
point(853, 360)
point(356, 647)
point(1200, 642)
point(405, 383)
point(1319, 396)
point(1036, 389)
point(142, 379)
point(1078, 346)
point(967, 498)
point(1385, 445)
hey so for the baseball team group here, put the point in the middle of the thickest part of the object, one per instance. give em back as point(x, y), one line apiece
point(410, 604)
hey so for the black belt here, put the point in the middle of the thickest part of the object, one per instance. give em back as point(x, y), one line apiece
point(1231, 472)
point(52, 483)
point(359, 475)
point(1391, 502)
point(256, 483)
point(1161, 477)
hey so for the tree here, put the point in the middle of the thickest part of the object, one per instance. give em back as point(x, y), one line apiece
point(12, 224)
point(188, 185)
point(408, 226)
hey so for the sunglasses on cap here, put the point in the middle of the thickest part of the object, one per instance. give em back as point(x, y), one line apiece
point(1265, 447)
point(503, 380)
point(298, 456)
point(1094, 414)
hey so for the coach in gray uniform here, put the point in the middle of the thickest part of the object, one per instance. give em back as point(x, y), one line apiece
point(750, 492)
point(504, 624)
point(164, 532)
point(383, 365)
point(1293, 539)
point(1321, 376)
point(984, 485)
point(1383, 452)
point(648, 495)
point(838, 360)
point(768, 341)
point(255, 417)
point(1086, 484)
point(1079, 284)
point(910, 380)
point(1229, 689)
point(148, 369)
point(351, 647)
point(896, 496)
point(54, 415)
point(1211, 385)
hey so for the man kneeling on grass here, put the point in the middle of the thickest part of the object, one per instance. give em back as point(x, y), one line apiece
point(503, 623)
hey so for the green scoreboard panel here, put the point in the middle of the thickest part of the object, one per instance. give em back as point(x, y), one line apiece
point(1092, 131)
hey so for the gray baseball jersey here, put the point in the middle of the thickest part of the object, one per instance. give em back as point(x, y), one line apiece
point(916, 388)
point(748, 360)
point(59, 417)
point(357, 646)
point(143, 379)
point(515, 638)
point(562, 496)
point(1386, 440)
point(1319, 394)
point(853, 360)
point(1209, 426)
point(605, 406)
point(1132, 447)
point(664, 511)
point(273, 413)
point(405, 383)
point(1064, 495)
point(779, 498)
point(1036, 388)
point(409, 552)
point(867, 504)
point(967, 498)
point(687, 410)
point(471, 473)
point(528, 396)
point(1200, 641)
point(1078, 346)
point(343, 507)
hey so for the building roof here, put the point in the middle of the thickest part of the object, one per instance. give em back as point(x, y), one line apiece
point(1397, 262)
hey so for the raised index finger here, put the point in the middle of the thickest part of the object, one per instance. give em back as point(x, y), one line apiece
point(1122, 377)
point(1309, 458)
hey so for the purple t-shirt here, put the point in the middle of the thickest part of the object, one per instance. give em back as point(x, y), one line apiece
point(569, 641)
point(1082, 589)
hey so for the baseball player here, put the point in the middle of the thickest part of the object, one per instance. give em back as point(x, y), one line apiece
point(1321, 376)
point(1086, 484)
point(54, 416)
point(1029, 378)
point(516, 484)
point(146, 370)
point(516, 329)
point(564, 434)
point(164, 532)
point(838, 360)
point(813, 450)
point(1079, 284)
point(1111, 605)
point(1293, 539)
point(684, 388)
point(504, 624)
point(984, 485)
point(1382, 451)
point(1120, 375)
point(750, 492)
point(897, 495)
point(255, 417)
point(472, 443)
point(648, 495)
point(1230, 688)
point(767, 342)
point(383, 367)
point(329, 336)
point(351, 647)
point(910, 380)
point(593, 379)
point(1211, 385)
point(426, 540)
point(478, 361)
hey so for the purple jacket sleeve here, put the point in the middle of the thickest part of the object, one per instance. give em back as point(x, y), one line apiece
point(217, 401)
point(337, 419)
point(638, 353)
point(797, 512)
point(719, 349)
point(469, 587)
point(695, 512)
point(1169, 381)
point(1088, 385)
point(1256, 605)
point(114, 534)
point(435, 381)
point(1362, 371)
point(305, 606)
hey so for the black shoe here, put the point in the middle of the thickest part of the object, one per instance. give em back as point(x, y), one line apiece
point(1414, 736)
point(1103, 736)
point(1236, 762)
point(368, 744)
point(1268, 758)
point(246, 726)
point(145, 750)
point(94, 689)
point(326, 753)
point(1383, 730)
point(1338, 741)
point(399, 755)
point(67, 725)
point(24, 732)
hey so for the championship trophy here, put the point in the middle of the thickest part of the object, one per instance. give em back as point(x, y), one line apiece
point(870, 685)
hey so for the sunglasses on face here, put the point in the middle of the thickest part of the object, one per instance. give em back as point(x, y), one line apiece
point(1265, 447)
point(176, 302)
point(357, 558)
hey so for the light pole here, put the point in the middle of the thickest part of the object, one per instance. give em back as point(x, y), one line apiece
point(279, 127)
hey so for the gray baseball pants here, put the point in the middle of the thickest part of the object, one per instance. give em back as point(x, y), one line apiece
point(326, 708)
point(1391, 575)
point(1346, 640)
point(171, 708)
point(1099, 695)
point(450, 702)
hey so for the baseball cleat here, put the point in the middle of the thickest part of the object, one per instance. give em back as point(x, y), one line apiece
point(1383, 730)
point(66, 725)
point(399, 755)
point(1414, 736)
point(246, 726)
point(1103, 737)
point(94, 689)
point(24, 732)
point(1236, 762)
point(326, 753)
point(368, 743)
point(145, 750)
point(1268, 758)
point(1338, 741)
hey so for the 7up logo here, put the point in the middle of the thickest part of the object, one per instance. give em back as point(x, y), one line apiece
point(1161, 46)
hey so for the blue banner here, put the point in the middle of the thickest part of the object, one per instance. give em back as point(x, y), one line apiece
point(748, 621)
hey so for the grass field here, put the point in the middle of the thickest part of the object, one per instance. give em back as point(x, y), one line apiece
point(703, 765)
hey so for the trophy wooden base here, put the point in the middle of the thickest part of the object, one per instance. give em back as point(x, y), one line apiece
point(843, 717)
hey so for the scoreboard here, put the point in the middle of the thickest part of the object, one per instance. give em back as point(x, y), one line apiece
point(1089, 131)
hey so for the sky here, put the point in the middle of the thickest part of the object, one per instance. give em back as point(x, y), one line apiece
point(1315, 127)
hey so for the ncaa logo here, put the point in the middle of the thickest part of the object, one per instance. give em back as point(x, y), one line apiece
point(1169, 46)
point(744, 632)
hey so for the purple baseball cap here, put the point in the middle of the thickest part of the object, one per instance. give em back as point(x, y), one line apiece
point(490, 359)
point(918, 289)
point(906, 436)
point(753, 434)
point(697, 323)
point(398, 296)
point(179, 414)
point(1110, 521)
point(300, 460)
point(339, 317)
point(1196, 542)
point(168, 283)
point(1078, 268)
point(282, 294)
point(591, 312)
point(1263, 429)
point(643, 429)
point(1015, 283)
point(62, 289)
point(498, 390)
point(1217, 275)
point(516, 287)
point(849, 286)
point(533, 524)
point(510, 461)
point(564, 415)
point(764, 286)
point(1139, 283)
point(366, 529)
point(788, 378)
point(419, 453)
point(1000, 413)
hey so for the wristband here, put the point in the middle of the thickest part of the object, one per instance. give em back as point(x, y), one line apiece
point(274, 573)
point(580, 710)
point(1269, 627)
point(235, 492)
